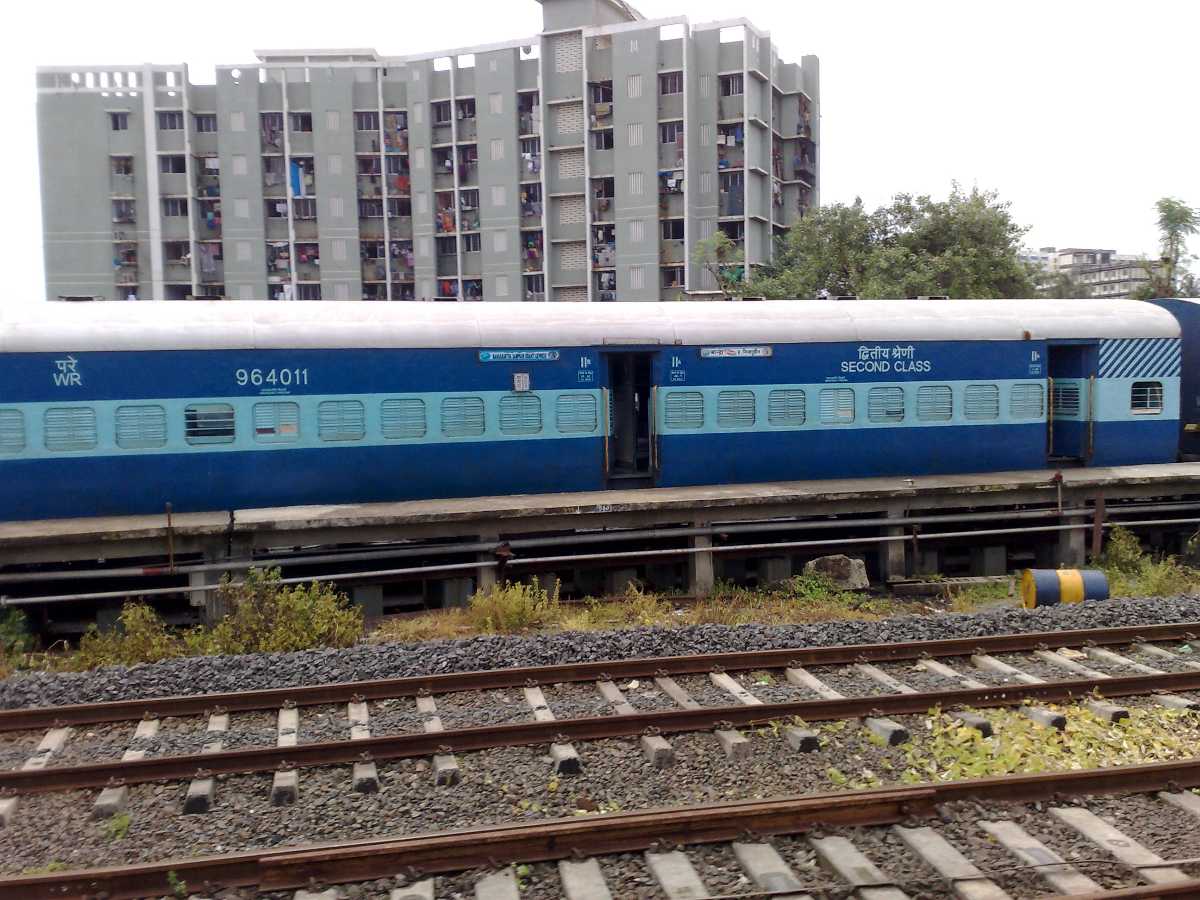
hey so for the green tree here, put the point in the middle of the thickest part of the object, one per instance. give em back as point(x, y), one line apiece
point(724, 261)
point(1176, 223)
point(964, 246)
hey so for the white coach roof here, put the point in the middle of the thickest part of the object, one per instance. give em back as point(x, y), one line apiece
point(194, 325)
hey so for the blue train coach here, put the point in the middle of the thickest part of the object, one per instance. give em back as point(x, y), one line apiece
point(122, 408)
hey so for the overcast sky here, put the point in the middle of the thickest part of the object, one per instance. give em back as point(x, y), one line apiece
point(1082, 113)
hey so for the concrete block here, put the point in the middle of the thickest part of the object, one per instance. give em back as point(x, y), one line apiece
point(972, 720)
point(111, 801)
point(1149, 865)
point(616, 581)
point(1030, 851)
point(1046, 717)
point(365, 778)
point(802, 739)
point(418, 890)
point(989, 560)
point(199, 797)
point(329, 894)
point(583, 880)
point(1108, 711)
point(892, 733)
point(285, 788)
point(498, 886)
point(676, 876)
point(445, 770)
point(774, 569)
point(566, 760)
point(765, 867)
point(846, 572)
point(848, 863)
point(736, 745)
point(966, 879)
point(701, 578)
point(658, 752)
point(8, 811)
point(1174, 701)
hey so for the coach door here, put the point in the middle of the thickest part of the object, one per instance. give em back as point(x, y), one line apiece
point(629, 454)
point(1071, 416)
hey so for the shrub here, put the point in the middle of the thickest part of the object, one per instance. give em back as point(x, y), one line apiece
point(141, 636)
point(1123, 552)
point(509, 607)
point(1132, 572)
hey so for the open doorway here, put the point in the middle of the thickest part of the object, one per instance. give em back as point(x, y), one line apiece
point(630, 388)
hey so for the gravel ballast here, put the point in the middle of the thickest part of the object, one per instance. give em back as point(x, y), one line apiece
point(367, 661)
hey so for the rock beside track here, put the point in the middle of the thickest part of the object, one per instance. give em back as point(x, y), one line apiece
point(366, 661)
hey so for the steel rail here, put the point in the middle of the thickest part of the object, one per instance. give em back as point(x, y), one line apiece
point(488, 737)
point(277, 869)
point(489, 679)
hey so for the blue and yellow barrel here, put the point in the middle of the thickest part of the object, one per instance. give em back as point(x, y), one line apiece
point(1050, 587)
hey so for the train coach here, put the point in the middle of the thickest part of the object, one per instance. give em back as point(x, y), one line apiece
point(109, 409)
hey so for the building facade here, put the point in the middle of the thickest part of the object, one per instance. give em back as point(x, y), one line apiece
point(584, 163)
point(1103, 273)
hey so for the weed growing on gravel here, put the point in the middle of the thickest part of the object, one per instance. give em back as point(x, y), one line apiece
point(512, 607)
point(950, 751)
point(116, 827)
point(264, 617)
point(429, 626)
point(14, 640)
point(1134, 573)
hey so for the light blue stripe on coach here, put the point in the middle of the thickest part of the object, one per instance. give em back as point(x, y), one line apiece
point(308, 437)
point(1144, 357)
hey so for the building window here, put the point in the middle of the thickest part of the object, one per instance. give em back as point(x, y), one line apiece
point(70, 428)
point(935, 403)
point(520, 414)
point(1027, 401)
point(402, 419)
point(786, 408)
point(173, 164)
point(118, 121)
point(208, 423)
point(333, 120)
point(837, 406)
point(685, 410)
point(1146, 398)
point(731, 85)
point(300, 121)
point(366, 121)
point(673, 277)
point(602, 140)
point(175, 206)
point(370, 209)
point(305, 208)
point(885, 404)
point(308, 292)
point(472, 243)
point(170, 121)
point(735, 409)
point(446, 246)
point(705, 86)
point(635, 132)
point(637, 183)
point(441, 113)
point(466, 108)
point(981, 401)
point(497, 148)
point(672, 230)
point(206, 123)
point(341, 420)
point(633, 86)
point(499, 197)
point(462, 417)
point(670, 83)
point(276, 423)
point(670, 132)
point(12, 431)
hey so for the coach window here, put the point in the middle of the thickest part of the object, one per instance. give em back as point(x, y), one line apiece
point(735, 409)
point(520, 414)
point(141, 427)
point(1146, 398)
point(1027, 401)
point(208, 423)
point(935, 403)
point(341, 420)
point(402, 418)
point(12, 431)
point(575, 413)
point(885, 404)
point(685, 410)
point(462, 417)
point(837, 406)
point(981, 401)
point(276, 423)
point(786, 408)
point(70, 428)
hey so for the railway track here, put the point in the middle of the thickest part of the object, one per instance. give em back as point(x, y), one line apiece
point(918, 817)
point(803, 685)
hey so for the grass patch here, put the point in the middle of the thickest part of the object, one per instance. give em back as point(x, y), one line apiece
point(1134, 573)
point(116, 827)
point(264, 617)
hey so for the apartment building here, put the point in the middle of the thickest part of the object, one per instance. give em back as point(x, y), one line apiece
point(1104, 273)
point(582, 163)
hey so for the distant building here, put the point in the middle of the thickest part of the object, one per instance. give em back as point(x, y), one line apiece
point(581, 163)
point(1105, 273)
